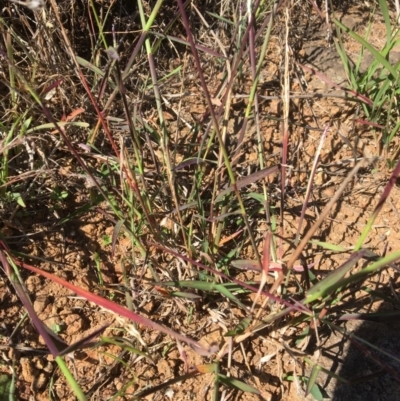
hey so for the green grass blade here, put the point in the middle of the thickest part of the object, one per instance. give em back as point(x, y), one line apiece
point(378, 56)
point(237, 384)
point(70, 379)
point(329, 247)
point(386, 17)
point(374, 267)
point(5, 388)
point(60, 124)
point(86, 64)
point(220, 18)
point(311, 383)
point(224, 291)
point(330, 282)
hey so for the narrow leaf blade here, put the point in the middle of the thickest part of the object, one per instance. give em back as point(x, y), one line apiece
point(235, 383)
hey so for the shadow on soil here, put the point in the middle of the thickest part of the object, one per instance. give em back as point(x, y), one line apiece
point(370, 373)
point(380, 384)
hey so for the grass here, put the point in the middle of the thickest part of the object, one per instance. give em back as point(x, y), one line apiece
point(140, 123)
point(379, 81)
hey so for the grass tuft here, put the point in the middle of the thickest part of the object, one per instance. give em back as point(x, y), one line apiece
point(165, 163)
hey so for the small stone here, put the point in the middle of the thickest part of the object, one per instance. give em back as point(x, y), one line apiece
point(40, 304)
point(40, 382)
point(32, 284)
point(89, 229)
point(320, 178)
point(27, 370)
point(74, 324)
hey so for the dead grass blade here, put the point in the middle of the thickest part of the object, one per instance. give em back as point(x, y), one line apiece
point(310, 183)
point(252, 178)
